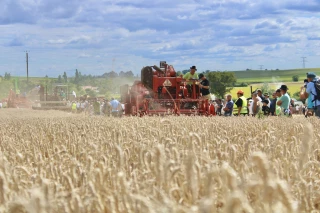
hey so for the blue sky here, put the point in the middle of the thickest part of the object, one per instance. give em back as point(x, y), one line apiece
point(87, 35)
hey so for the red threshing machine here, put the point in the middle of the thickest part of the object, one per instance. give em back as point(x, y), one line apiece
point(162, 92)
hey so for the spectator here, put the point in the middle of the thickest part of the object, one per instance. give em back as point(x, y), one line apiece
point(219, 106)
point(311, 92)
point(256, 103)
point(259, 91)
point(82, 106)
point(310, 111)
point(107, 108)
point(74, 107)
point(204, 87)
point(240, 105)
point(278, 108)
point(265, 108)
point(78, 106)
point(250, 106)
point(284, 101)
point(266, 97)
point(273, 104)
point(229, 106)
point(115, 107)
point(291, 107)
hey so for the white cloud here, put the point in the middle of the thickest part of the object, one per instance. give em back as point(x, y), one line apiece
point(58, 41)
point(84, 55)
point(212, 34)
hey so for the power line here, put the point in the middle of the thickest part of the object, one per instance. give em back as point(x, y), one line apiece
point(261, 67)
point(304, 62)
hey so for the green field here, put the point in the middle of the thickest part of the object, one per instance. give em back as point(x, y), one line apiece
point(272, 76)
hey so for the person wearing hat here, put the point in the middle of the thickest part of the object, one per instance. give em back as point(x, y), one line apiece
point(192, 75)
point(284, 101)
point(204, 87)
point(240, 106)
point(310, 92)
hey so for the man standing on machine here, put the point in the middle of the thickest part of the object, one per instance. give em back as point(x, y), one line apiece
point(192, 75)
point(204, 87)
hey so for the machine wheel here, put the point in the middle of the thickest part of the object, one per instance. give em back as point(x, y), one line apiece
point(147, 77)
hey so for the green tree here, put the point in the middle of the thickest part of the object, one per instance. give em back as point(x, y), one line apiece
point(221, 82)
point(184, 71)
point(7, 76)
point(59, 79)
point(65, 77)
point(76, 77)
point(266, 88)
point(91, 93)
point(295, 78)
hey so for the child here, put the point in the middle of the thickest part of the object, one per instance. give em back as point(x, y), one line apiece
point(265, 108)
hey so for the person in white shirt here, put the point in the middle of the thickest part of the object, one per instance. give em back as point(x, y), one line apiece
point(256, 102)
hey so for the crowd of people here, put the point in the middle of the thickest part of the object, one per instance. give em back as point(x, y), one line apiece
point(98, 107)
point(260, 103)
point(279, 104)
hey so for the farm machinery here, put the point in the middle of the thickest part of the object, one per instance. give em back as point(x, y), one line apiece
point(162, 92)
point(58, 100)
point(15, 99)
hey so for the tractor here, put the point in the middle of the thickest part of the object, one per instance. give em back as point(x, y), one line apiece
point(162, 92)
point(57, 100)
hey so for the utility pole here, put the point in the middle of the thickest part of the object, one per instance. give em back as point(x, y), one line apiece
point(261, 67)
point(27, 61)
point(304, 62)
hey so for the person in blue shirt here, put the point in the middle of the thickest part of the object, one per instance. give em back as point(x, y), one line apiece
point(229, 106)
point(310, 92)
point(115, 107)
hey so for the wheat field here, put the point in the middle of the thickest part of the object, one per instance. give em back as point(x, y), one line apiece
point(59, 162)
